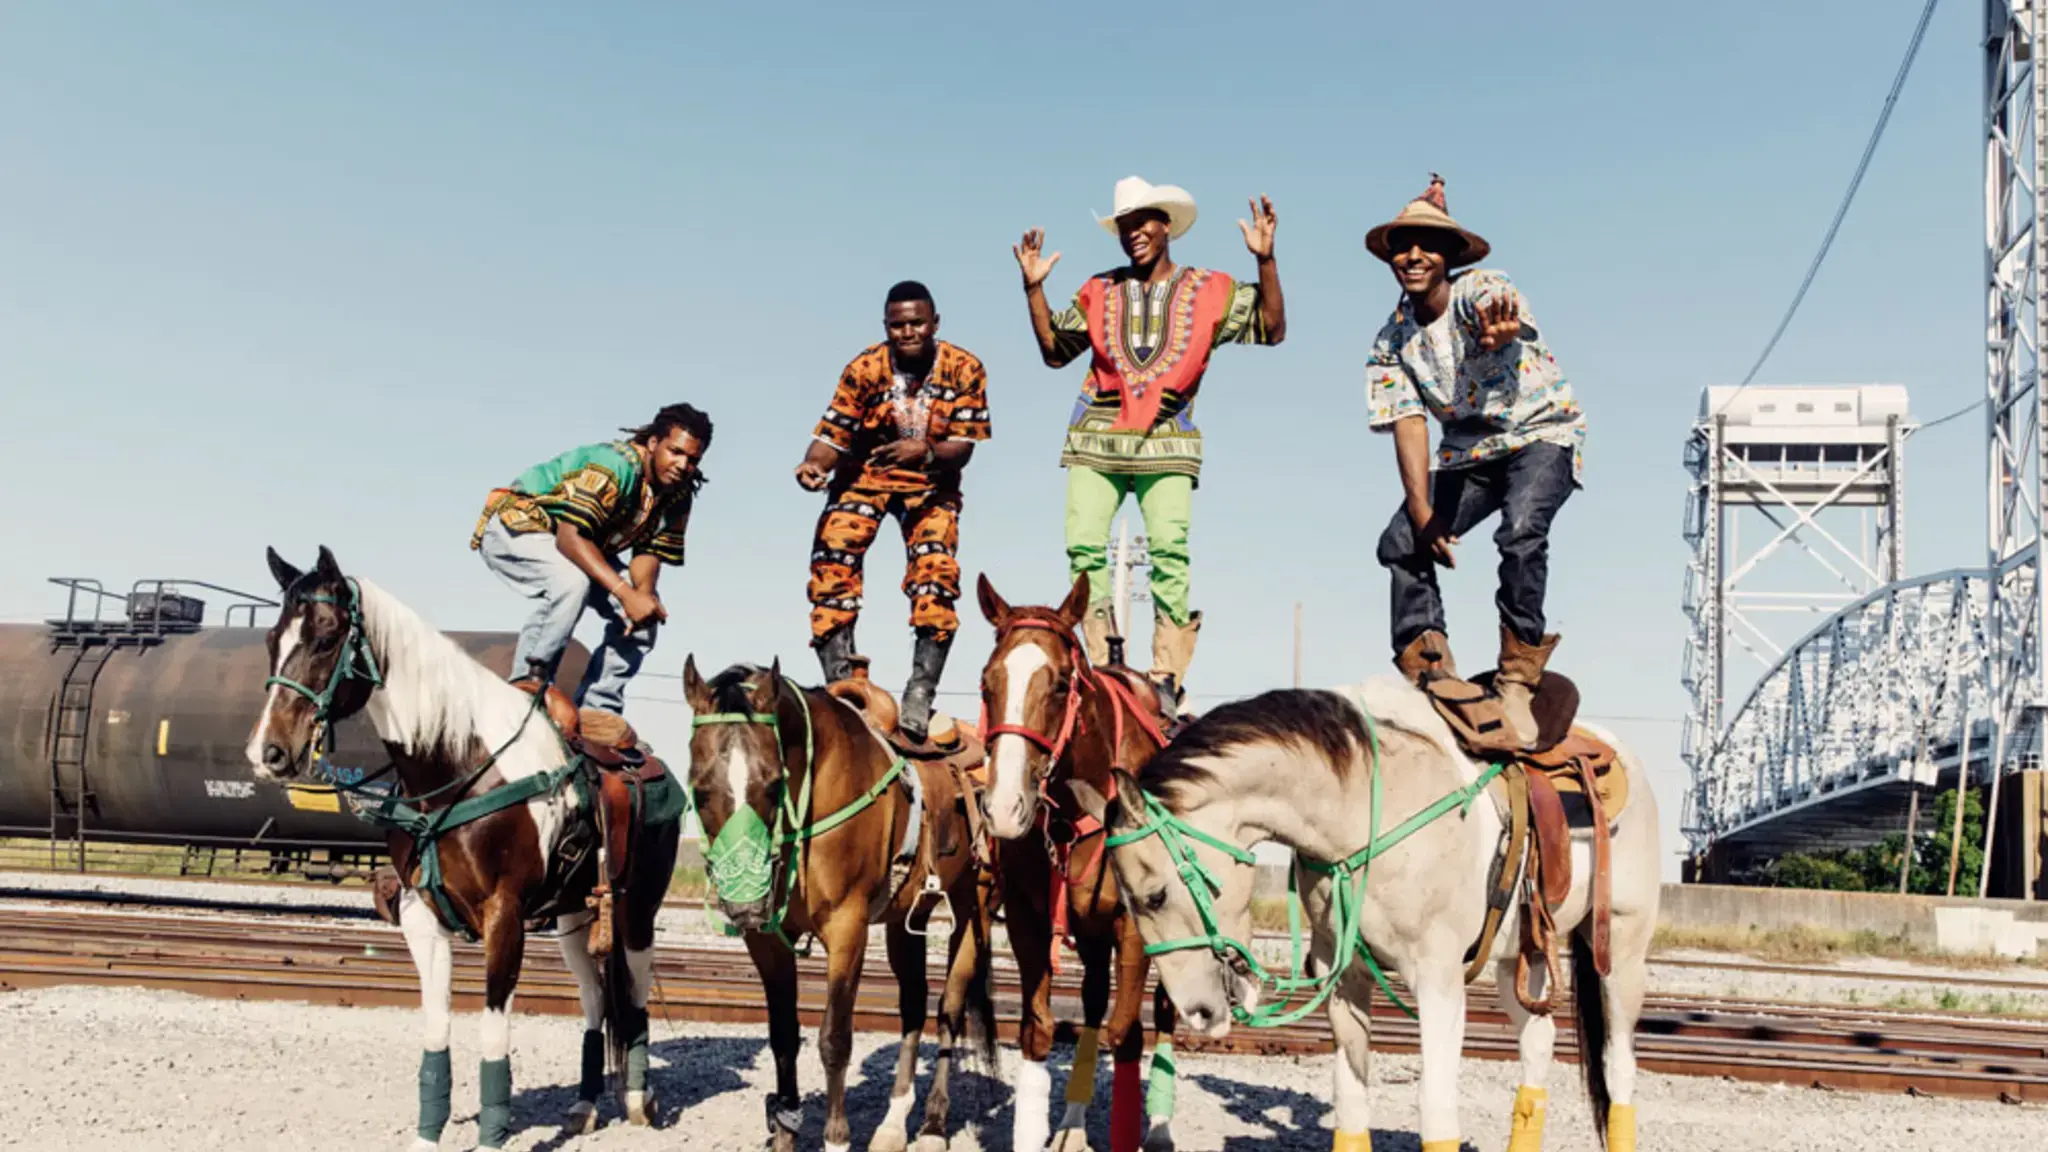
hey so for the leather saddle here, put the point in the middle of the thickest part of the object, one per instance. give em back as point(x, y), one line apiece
point(624, 766)
point(950, 745)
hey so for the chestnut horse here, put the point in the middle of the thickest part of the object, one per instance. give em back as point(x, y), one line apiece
point(1049, 719)
point(490, 828)
point(818, 826)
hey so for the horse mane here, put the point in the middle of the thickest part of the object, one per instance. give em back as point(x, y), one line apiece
point(1331, 722)
point(437, 699)
point(729, 691)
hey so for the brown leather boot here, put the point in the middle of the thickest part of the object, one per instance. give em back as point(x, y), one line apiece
point(1426, 656)
point(1095, 633)
point(1520, 671)
point(1173, 649)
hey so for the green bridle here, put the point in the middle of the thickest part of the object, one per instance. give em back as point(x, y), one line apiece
point(356, 661)
point(747, 853)
point(1350, 872)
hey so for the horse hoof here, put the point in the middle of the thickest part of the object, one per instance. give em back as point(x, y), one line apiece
point(582, 1118)
point(641, 1109)
point(931, 1143)
point(888, 1139)
point(1159, 1139)
point(1070, 1140)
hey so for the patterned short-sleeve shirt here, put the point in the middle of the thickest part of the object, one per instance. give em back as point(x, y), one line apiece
point(875, 405)
point(1490, 404)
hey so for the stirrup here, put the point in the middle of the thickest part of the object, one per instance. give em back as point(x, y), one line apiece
point(918, 921)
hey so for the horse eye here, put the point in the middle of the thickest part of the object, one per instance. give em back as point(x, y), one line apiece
point(1155, 901)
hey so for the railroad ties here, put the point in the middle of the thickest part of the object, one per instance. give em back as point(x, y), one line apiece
point(1833, 1047)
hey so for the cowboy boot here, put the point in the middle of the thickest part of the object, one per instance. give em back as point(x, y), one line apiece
point(1515, 681)
point(1173, 649)
point(926, 663)
point(1426, 657)
point(1095, 633)
point(835, 654)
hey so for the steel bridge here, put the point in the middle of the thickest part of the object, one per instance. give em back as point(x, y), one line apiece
point(1912, 681)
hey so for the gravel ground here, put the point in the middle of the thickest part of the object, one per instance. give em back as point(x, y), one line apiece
point(91, 1068)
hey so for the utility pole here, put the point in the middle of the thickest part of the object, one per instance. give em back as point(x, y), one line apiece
point(1297, 643)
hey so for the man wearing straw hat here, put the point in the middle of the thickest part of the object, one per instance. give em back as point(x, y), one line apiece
point(1150, 327)
point(1465, 349)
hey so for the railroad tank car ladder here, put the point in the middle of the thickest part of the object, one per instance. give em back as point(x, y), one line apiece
point(71, 794)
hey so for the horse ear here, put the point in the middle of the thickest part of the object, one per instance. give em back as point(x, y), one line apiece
point(771, 686)
point(281, 569)
point(326, 566)
point(1092, 802)
point(1076, 604)
point(993, 606)
point(693, 684)
point(1128, 805)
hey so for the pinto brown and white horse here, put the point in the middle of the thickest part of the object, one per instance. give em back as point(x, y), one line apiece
point(817, 826)
point(1049, 719)
point(457, 735)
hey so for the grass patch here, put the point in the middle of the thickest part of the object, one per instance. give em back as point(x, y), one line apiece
point(1804, 945)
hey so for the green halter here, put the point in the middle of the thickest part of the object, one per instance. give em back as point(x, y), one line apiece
point(356, 661)
point(1350, 872)
point(747, 853)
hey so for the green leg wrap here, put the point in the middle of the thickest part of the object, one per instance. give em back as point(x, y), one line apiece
point(636, 1052)
point(437, 1080)
point(1159, 1080)
point(593, 1066)
point(494, 1096)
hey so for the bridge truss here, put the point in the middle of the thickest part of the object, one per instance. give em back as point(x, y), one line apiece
point(1922, 679)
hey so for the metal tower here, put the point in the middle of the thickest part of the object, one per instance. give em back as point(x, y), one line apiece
point(1789, 456)
point(2015, 210)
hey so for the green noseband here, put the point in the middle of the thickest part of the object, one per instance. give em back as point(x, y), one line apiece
point(356, 661)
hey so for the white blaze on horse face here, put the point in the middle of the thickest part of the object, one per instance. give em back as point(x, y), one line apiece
point(1010, 797)
point(738, 770)
point(286, 645)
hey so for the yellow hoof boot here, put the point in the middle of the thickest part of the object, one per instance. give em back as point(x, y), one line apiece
point(1351, 1142)
point(1621, 1128)
point(1452, 1145)
point(1527, 1133)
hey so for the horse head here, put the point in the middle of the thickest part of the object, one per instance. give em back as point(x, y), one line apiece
point(737, 780)
point(1189, 892)
point(321, 667)
point(1030, 693)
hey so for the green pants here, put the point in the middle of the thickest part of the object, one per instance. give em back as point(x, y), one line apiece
point(1092, 500)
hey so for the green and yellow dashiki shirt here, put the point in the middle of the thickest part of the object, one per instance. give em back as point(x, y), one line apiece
point(604, 492)
point(1172, 445)
point(1490, 404)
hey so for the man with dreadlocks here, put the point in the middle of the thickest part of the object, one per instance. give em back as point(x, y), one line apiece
point(556, 532)
point(900, 428)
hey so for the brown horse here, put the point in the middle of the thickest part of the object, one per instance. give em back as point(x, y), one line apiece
point(1051, 718)
point(818, 826)
point(491, 828)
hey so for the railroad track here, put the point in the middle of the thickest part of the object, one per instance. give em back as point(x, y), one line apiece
point(356, 964)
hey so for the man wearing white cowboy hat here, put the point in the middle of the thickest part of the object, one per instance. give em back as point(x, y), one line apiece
point(1465, 349)
point(1150, 326)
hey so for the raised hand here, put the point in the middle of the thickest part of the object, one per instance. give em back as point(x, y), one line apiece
point(1029, 256)
point(1258, 234)
point(1500, 322)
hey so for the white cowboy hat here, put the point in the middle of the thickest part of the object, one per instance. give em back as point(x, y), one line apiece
point(1133, 193)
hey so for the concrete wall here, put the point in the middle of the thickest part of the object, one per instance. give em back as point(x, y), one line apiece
point(2011, 927)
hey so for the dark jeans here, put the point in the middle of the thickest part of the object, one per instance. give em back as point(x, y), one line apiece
point(1526, 488)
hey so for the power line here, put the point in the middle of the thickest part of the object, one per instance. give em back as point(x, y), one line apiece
point(1966, 409)
point(1883, 117)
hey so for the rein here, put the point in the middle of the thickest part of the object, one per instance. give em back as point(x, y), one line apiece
point(393, 809)
point(746, 856)
point(1350, 873)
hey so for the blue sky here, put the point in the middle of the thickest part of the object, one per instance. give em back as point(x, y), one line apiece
point(293, 274)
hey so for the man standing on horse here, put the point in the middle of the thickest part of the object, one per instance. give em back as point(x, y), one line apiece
point(1466, 349)
point(555, 535)
point(901, 427)
point(1150, 327)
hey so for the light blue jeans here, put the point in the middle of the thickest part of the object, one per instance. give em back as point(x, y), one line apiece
point(533, 567)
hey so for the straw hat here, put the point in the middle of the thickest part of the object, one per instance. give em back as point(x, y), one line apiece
point(1133, 194)
point(1428, 211)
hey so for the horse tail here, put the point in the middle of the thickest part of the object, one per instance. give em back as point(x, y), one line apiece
point(1589, 1016)
point(981, 1001)
point(615, 984)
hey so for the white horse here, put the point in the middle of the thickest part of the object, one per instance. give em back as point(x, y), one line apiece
point(1298, 767)
point(456, 731)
